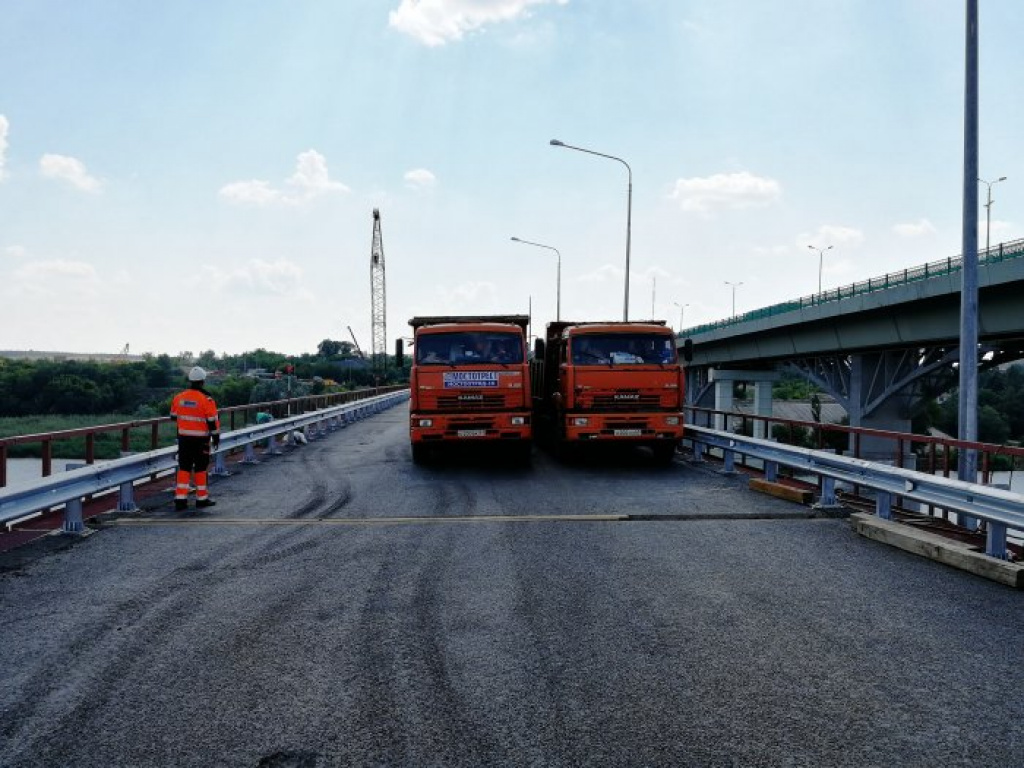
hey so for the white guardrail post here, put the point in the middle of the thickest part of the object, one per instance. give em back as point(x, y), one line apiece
point(68, 489)
point(1002, 510)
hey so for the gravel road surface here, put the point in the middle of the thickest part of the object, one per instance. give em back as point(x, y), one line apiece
point(342, 606)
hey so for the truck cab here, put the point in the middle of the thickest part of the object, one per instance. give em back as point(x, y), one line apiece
point(611, 382)
point(470, 383)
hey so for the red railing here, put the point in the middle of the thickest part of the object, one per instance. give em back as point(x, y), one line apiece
point(231, 418)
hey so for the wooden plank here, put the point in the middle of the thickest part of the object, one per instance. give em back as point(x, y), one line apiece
point(787, 492)
point(938, 548)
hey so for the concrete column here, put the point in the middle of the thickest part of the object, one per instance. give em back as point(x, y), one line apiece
point(723, 401)
point(888, 415)
point(762, 407)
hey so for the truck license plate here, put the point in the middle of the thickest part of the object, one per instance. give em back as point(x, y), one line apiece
point(472, 432)
point(627, 433)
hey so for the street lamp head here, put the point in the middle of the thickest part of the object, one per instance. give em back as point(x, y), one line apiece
point(516, 239)
point(1001, 178)
point(556, 143)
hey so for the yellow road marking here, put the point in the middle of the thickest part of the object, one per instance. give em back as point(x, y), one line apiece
point(127, 522)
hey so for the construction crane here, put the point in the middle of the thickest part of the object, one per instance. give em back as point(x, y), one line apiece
point(358, 350)
point(378, 300)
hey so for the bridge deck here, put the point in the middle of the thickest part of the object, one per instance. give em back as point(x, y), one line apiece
point(343, 606)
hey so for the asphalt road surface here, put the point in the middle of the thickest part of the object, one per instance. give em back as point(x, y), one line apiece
point(342, 606)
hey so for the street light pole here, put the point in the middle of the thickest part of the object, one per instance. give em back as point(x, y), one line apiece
point(558, 289)
point(629, 210)
point(988, 209)
point(821, 261)
point(682, 309)
point(734, 287)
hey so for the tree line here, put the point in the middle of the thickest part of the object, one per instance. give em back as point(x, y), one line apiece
point(82, 387)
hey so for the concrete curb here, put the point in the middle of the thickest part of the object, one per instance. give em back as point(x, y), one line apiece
point(939, 549)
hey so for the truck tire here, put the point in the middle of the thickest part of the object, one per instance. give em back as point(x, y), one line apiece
point(419, 453)
point(664, 451)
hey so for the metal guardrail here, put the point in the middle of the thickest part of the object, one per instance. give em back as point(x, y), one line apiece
point(162, 430)
point(997, 253)
point(1001, 510)
point(68, 489)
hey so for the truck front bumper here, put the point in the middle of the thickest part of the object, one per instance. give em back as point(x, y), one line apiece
point(636, 427)
point(433, 427)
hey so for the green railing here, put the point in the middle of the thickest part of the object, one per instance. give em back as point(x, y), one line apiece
point(1002, 252)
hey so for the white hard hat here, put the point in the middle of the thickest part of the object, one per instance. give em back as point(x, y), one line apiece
point(197, 374)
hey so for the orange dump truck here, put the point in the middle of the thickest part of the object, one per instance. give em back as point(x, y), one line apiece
point(470, 383)
point(609, 382)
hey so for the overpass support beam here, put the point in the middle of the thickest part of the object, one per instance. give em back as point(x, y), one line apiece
point(723, 382)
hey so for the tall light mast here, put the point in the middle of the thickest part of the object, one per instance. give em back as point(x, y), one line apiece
point(378, 300)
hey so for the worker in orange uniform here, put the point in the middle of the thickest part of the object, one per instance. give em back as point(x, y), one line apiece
point(198, 426)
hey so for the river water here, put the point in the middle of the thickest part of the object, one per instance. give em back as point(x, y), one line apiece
point(22, 471)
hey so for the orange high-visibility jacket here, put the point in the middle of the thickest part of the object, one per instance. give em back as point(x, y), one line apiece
point(196, 414)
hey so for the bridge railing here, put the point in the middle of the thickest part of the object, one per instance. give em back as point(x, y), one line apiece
point(1013, 249)
point(160, 431)
point(68, 489)
point(1001, 510)
point(926, 455)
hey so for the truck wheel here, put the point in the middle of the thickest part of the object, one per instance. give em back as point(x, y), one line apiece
point(419, 453)
point(664, 452)
point(523, 454)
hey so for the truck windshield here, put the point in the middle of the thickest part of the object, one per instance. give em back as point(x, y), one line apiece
point(622, 349)
point(468, 348)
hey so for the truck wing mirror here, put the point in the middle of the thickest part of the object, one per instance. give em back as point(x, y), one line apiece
point(688, 350)
point(538, 349)
point(399, 354)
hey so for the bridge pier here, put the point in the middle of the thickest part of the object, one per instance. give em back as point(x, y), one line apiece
point(723, 382)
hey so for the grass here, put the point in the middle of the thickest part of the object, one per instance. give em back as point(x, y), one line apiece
point(107, 444)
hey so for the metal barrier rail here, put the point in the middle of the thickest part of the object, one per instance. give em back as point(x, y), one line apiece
point(997, 253)
point(278, 408)
point(938, 453)
point(68, 489)
point(1001, 510)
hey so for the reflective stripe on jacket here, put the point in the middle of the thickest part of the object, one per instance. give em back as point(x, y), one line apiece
point(196, 414)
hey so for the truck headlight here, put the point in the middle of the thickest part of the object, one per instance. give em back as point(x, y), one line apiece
point(672, 421)
point(426, 422)
point(518, 421)
point(580, 421)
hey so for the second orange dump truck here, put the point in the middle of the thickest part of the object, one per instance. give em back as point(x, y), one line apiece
point(609, 382)
point(470, 383)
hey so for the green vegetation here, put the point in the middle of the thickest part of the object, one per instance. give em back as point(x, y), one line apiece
point(1000, 408)
point(107, 446)
point(38, 396)
point(793, 387)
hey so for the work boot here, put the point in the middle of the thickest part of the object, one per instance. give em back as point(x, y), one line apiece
point(181, 504)
point(205, 503)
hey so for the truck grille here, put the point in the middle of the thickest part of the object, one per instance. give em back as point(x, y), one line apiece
point(609, 402)
point(471, 402)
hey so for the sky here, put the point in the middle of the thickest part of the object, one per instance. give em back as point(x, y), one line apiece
point(194, 175)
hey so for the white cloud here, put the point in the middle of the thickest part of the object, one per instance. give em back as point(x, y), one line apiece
point(420, 178)
point(474, 296)
point(69, 169)
point(258, 277)
point(253, 192)
point(725, 190)
point(914, 228)
point(436, 22)
point(603, 274)
point(59, 277)
point(830, 234)
point(4, 127)
point(311, 177)
point(310, 180)
point(16, 252)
